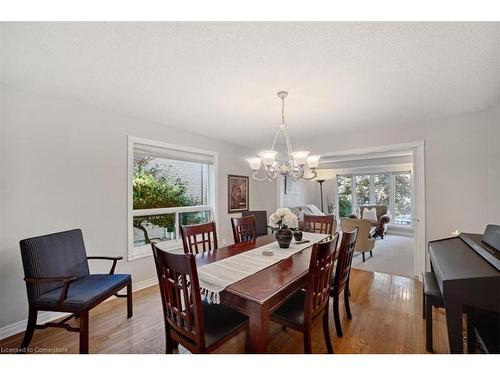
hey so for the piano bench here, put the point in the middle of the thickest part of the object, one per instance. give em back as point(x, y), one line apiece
point(431, 298)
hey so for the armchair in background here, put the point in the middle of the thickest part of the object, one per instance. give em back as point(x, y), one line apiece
point(383, 218)
point(364, 243)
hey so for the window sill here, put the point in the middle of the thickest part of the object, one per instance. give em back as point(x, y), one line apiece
point(145, 251)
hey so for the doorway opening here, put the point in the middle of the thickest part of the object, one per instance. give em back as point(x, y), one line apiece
point(383, 185)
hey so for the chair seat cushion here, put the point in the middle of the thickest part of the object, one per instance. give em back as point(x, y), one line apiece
point(83, 292)
point(220, 321)
point(292, 310)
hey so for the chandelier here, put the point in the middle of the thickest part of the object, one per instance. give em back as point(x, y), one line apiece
point(295, 163)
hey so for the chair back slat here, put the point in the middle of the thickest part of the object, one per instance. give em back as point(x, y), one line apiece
point(244, 229)
point(319, 276)
point(53, 255)
point(344, 260)
point(325, 224)
point(199, 238)
point(180, 294)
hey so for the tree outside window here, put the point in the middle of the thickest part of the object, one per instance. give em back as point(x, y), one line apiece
point(363, 190)
point(156, 185)
point(344, 186)
point(381, 188)
point(402, 199)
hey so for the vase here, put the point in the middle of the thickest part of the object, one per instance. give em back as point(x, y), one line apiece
point(297, 235)
point(284, 238)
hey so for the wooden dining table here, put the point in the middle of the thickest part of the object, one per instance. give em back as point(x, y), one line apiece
point(259, 294)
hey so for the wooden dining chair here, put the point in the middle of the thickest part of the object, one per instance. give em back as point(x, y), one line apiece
point(340, 279)
point(244, 229)
point(199, 238)
point(198, 326)
point(299, 311)
point(325, 224)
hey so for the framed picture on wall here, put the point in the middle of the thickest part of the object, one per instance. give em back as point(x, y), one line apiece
point(237, 191)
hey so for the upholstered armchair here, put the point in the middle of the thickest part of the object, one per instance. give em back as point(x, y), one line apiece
point(383, 218)
point(58, 278)
point(364, 243)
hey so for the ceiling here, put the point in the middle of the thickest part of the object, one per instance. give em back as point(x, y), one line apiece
point(221, 79)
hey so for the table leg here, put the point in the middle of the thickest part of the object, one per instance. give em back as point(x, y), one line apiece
point(454, 325)
point(259, 328)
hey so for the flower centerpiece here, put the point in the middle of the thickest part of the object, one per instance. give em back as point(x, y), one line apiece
point(282, 222)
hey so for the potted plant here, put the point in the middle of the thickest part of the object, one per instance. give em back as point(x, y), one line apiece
point(282, 222)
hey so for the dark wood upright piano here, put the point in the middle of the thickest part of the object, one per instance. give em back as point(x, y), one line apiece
point(467, 269)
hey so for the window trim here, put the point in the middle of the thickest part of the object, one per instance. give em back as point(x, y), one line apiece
point(392, 189)
point(134, 253)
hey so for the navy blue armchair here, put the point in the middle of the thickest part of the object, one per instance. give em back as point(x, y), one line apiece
point(57, 278)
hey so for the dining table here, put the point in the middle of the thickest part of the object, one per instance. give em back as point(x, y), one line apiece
point(257, 295)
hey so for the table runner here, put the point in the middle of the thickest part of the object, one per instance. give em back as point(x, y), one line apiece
point(217, 276)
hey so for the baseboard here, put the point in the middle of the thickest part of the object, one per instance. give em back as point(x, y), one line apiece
point(400, 232)
point(48, 316)
point(15, 328)
point(144, 284)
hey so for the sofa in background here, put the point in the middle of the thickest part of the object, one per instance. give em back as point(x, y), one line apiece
point(308, 209)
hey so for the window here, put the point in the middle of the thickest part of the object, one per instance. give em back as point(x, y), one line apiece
point(362, 190)
point(392, 189)
point(169, 186)
point(381, 187)
point(345, 195)
point(402, 198)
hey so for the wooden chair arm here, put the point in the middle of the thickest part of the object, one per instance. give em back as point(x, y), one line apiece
point(114, 259)
point(65, 279)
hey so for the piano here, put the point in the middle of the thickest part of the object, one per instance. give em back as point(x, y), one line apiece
point(467, 269)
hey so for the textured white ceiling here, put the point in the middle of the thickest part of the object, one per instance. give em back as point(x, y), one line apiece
point(221, 79)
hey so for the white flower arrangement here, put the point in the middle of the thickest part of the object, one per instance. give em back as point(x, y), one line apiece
point(283, 218)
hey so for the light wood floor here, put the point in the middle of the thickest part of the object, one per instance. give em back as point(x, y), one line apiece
point(386, 310)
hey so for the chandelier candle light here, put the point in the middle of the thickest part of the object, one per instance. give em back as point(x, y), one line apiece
point(293, 166)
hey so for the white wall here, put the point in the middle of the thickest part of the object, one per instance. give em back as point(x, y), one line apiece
point(64, 165)
point(493, 163)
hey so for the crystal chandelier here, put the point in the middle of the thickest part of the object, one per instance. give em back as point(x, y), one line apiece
point(295, 163)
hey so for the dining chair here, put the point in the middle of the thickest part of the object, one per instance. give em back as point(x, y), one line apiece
point(307, 304)
point(340, 279)
point(244, 229)
point(199, 237)
point(324, 224)
point(198, 326)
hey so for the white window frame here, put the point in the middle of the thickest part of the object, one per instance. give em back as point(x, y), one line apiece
point(144, 251)
point(392, 189)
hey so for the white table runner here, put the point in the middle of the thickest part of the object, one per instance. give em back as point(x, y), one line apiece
point(217, 276)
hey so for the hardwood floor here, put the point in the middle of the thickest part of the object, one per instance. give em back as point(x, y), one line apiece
point(386, 309)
